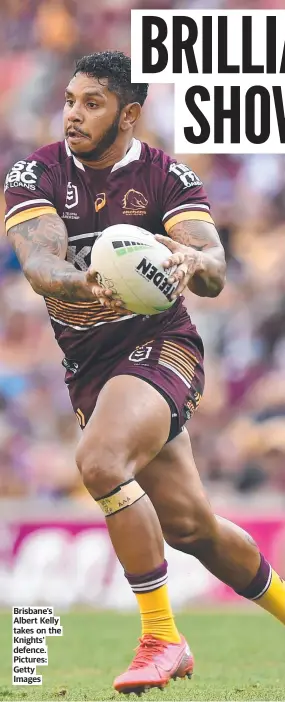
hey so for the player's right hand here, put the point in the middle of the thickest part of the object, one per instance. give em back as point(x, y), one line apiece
point(104, 295)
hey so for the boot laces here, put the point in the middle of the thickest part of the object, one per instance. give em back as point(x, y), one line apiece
point(148, 646)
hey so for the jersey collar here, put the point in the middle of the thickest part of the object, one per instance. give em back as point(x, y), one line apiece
point(133, 154)
point(77, 163)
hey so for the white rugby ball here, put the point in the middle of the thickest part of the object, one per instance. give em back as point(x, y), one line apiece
point(129, 261)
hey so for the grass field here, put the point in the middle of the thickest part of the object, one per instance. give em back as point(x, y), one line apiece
point(239, 656)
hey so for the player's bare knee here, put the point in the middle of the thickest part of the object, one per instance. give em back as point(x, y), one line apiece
point(102, 468)
point(194, 532)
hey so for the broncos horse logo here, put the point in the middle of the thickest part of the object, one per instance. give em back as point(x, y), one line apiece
point(134, 202)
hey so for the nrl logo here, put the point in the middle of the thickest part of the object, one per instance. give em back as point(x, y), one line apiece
point(70, 202)
point(134, 203)
point(71, 196)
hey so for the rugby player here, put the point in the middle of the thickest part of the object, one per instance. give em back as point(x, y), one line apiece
point(133, 380)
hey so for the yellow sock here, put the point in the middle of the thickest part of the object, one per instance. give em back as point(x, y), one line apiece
point(156, 615)
point(273, 599)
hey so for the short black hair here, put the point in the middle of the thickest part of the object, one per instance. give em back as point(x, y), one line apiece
point(115, 66)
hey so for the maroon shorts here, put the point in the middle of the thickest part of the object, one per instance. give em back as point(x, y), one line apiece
point(169, 357)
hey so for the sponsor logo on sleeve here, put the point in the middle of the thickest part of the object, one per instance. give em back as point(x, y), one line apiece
point(24, 174)
point(188, 178)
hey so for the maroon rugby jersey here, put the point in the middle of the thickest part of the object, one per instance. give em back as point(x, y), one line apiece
point(146, 188)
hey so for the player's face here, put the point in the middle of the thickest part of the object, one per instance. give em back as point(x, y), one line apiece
point(91, 116)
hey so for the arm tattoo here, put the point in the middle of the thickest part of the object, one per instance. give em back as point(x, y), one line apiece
point(195, 233)
point(40, 245)
point(202, 236)
point(45, 234)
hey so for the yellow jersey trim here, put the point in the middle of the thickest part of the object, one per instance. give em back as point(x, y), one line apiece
point(183, 216)
point(25, 215)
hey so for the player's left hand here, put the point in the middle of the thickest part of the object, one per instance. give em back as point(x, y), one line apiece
point(106, 296)
point(188, 262)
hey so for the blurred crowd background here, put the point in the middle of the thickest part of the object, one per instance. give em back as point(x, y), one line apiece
point(238, 433)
